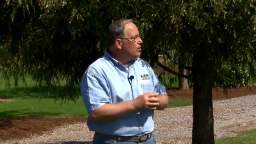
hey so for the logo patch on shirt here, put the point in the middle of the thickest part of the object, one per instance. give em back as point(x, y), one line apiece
point(144, 77)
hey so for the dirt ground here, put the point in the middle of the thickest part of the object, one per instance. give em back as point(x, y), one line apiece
point(20, 128)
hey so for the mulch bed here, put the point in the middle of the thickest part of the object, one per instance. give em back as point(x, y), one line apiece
point(20, 128)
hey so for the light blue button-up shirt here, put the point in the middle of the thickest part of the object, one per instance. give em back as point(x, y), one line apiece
point(108, 81)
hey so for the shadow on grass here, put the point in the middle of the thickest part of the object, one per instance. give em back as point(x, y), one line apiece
point(12, 114)
point(38, 92)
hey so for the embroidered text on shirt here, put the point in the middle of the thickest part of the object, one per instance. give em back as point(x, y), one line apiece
point(144, 77)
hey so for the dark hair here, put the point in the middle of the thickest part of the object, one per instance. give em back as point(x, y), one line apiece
point(116, 30)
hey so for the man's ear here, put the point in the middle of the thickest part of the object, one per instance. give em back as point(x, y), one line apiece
point(119, 43)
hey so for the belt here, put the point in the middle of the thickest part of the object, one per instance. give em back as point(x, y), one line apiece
point(139, 138)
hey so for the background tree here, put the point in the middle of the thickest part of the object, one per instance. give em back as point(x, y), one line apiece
point(219, 33)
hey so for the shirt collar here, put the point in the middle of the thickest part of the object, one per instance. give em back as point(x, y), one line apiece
point(108, 55)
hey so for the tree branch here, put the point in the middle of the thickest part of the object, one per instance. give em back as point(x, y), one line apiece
point(165, 68)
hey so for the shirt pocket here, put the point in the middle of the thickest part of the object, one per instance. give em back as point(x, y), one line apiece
point(147, 86)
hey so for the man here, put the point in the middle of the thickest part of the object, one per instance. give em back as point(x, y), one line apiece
point(121, 91)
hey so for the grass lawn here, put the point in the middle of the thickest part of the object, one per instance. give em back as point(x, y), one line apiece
point(40, 107)
point(248, 137)
point(177, 102)
point(28, 100)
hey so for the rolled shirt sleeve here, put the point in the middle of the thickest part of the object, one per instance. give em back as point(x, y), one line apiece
point(94, 90)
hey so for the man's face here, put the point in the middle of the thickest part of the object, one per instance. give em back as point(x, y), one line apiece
point(132, 41)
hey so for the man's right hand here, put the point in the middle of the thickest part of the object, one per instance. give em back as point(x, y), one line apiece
point(149, 100)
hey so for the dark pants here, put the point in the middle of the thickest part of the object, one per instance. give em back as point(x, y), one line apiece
point(105, 139)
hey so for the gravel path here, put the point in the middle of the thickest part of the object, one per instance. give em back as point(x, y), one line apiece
point(173, 125)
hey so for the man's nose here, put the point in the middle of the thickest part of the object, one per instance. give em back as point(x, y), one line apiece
point(140, 41)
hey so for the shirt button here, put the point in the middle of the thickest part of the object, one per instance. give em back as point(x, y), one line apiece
point(138, 113)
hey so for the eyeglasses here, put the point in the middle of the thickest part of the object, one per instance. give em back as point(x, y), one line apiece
point(132, 39)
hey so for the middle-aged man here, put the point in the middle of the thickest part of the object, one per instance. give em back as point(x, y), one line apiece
point(121, 91)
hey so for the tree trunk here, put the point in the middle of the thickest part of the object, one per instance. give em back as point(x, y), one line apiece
point(183, 82)
point(203, 123)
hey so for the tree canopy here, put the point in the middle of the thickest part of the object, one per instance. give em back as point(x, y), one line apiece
point(54, 40)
